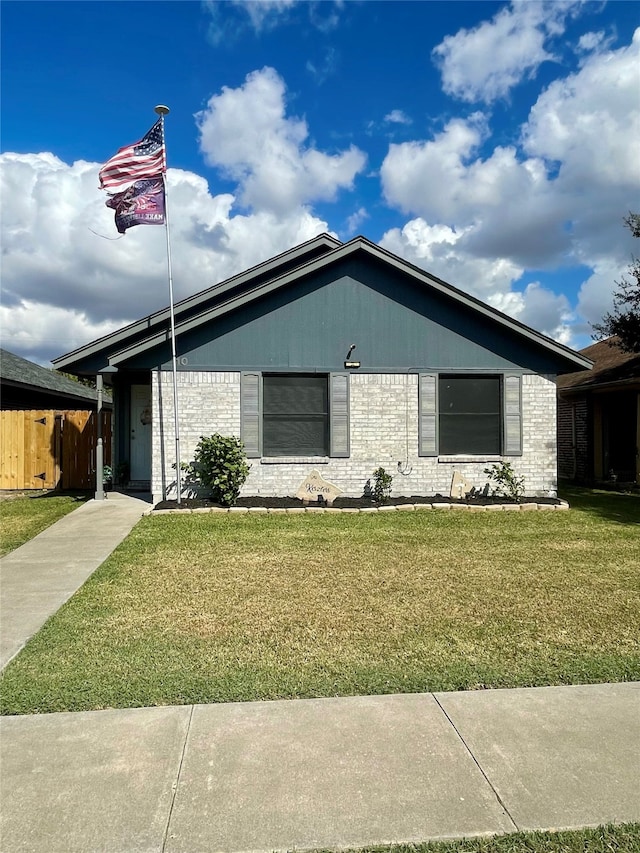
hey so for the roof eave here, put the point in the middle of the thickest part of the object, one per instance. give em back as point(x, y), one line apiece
point(161, 317)
point(341, 251)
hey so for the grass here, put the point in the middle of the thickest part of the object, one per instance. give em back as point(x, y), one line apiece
point(22, 518)
point(603, 839)
point(218, 608)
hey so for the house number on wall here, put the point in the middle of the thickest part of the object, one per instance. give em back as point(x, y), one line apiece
point(183, 360)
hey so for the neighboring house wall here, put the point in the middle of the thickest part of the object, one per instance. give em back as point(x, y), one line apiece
point(383, 431)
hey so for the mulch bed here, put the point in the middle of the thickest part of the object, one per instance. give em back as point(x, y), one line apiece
point(347, 503)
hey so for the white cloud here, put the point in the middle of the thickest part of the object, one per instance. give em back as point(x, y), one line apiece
point(557, 199)
point(355, 220)
point(589, 42)
point(63, 285)
point(397, 117)
point(415, 173)
point(231, 18)
point(246, 133)
point(262, 12)
point(595, 298)
point(440, 250)
point(39, 332)
point(540, 308)
point(589, 121)
point(486, 62)
point(322, 71)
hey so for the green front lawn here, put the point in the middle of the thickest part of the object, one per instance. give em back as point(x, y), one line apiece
point(22, 518)
point(218, 608)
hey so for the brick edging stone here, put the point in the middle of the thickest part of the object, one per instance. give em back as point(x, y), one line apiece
point(263, 510)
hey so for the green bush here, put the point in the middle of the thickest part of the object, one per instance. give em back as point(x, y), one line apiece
point(381, 489)
point(220, 465)
point(507, 483)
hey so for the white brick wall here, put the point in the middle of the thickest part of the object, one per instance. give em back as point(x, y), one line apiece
point(383, 423)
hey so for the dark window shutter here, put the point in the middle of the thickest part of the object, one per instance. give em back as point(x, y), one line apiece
point(428, 414)
point(512, 390)
point(339, 414)
point(251, 413)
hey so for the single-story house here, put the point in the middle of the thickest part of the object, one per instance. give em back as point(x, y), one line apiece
point(599, 417)
point(338, 357)
point(25, 385)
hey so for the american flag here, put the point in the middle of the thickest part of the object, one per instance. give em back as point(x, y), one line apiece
point(143, 159)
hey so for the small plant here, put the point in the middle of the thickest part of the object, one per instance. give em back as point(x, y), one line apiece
point(381, 489)
point(507, 483)
point(220, 465)
point(107, 473)
point(122, 472)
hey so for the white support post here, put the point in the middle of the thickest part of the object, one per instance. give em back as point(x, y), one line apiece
point(99, 496)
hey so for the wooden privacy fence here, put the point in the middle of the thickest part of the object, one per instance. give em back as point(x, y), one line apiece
point(51, 449)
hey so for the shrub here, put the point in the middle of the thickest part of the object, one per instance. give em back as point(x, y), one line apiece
point(220, 465)
point(507, 483)
point(122, 473)
point(381, 489)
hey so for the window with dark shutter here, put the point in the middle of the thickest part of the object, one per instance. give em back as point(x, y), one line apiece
point(470, 414)
point(295, 415)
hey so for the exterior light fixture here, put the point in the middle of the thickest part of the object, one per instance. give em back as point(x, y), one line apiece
point(350, 364)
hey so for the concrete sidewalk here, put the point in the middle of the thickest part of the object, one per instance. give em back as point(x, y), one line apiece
point(264, 776)
point(37, 578)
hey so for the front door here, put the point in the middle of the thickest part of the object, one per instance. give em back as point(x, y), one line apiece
point(140, 432)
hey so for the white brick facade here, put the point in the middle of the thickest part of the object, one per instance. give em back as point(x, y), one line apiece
point(383, 431)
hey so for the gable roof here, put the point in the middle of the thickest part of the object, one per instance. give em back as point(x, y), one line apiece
point(18, 372)
point(258, 282)
point(611, 366)
point(194, 305)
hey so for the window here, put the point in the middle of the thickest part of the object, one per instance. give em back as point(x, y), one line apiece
point(295, 419)
point(294, 414)
point(470, 414)
point(473, 413)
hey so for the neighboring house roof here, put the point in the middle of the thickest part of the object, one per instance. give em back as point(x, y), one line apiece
point(611, 367)
point(281, 272)
point(18, 373)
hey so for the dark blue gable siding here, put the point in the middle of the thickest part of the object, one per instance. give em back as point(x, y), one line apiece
point(395, 322)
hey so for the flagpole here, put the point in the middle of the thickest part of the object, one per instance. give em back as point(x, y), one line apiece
point(162, 111)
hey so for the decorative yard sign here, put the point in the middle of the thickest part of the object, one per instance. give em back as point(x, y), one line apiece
point(459, 486)
point(314, 487)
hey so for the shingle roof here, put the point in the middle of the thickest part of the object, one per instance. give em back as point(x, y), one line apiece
point(17, 371)
point(610, 365)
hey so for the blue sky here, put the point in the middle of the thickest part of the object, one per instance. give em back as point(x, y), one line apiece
point(493, 144)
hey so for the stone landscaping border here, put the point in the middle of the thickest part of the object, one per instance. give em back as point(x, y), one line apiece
point(563, 505)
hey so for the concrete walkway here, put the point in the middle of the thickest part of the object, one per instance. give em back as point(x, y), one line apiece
point(37, 578)
point(263, 776)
